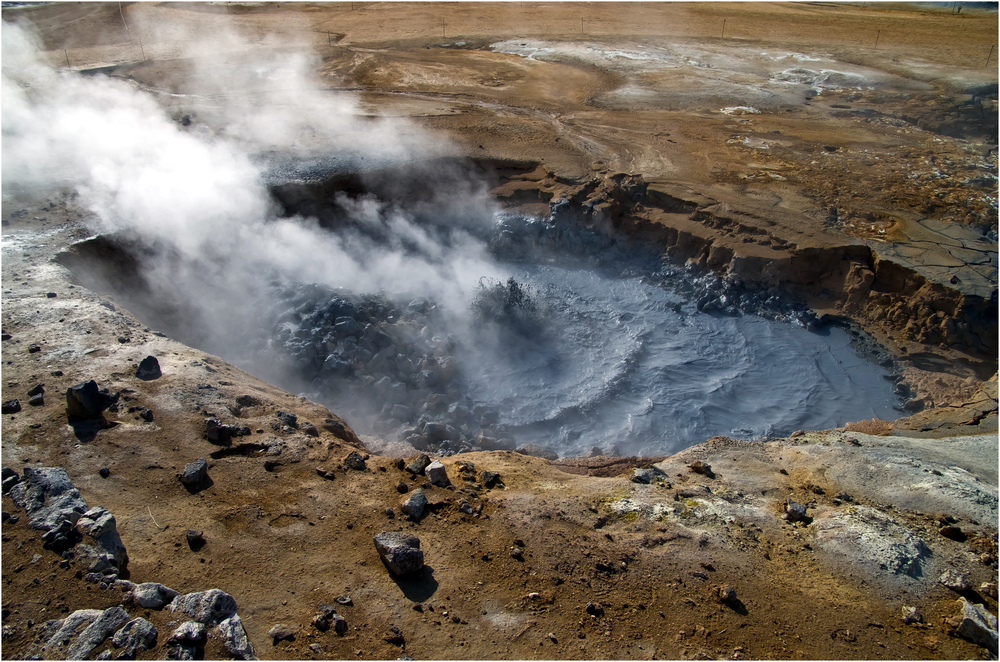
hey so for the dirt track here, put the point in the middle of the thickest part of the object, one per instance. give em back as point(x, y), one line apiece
point(905, 157)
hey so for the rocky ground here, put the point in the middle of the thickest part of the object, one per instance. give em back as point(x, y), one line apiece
point(873, 202)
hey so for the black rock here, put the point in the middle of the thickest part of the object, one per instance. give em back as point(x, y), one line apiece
point(195, 472)
point(310, 429)
point(418, 464)
point(355, 461)
point(491, 479)
point(32, 348)
point(291, 420)
point(595, 609)
point(36, 400)
point(83, 401)
point(11, 407)
point(149, 369)
point(394, 636)
point(37, 389)
point(105, 472)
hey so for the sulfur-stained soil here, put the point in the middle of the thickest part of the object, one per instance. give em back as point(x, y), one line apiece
point(864, 174)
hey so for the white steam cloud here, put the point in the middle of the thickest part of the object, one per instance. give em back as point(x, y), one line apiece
point(201, 191)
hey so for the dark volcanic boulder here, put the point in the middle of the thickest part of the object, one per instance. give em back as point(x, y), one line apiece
point(149, 369)
point(83, 401)
point(400, 552)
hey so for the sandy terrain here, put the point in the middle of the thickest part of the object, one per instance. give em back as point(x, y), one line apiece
point(747, 139)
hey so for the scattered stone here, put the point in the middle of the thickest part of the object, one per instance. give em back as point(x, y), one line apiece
point(400, 552)
point(402, 487)
point(95, 633)
point(36, 400)
point(136, 636)
point(394, 636)
point(67, 628)
point(33, 348)
point(195, 472)
point(235, 639)
point(10, 479)
point(415, 504)
point(727, 594)
point(194, 538)
point(151, 595)
point(990, 589)
point(390, 513)
point(149, 369)
point(291, 420)
point(974, 623)
point(339, 624)
point(11, 407)
point(316, 648)
point(189, 633)
point(310, 429)
point(102, 549)
point(49, 498)
point(491, 479)
point(796, 511)
point(517, 553)
point(595, 609)
point(83, 401)
point(911, 615)
point(222, 434)
point(344, 600)
point(104, 472)
point(418, 464)
point(552, 637)
point(645, 476)
point(210, 606)
point(37, 389)
point(952, 533)
point(437, 474)
point(954, 581)
point(355, 462)
point(322, 472)
point(280, 632)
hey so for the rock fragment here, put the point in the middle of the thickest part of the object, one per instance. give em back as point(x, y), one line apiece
point(136, 636)
point(974, 623)
point(796, 512)
point(234, 638)
point(437, 473)
point(211, 606)
point(727, 594)
point(355, 462)
point(418, 464)
point(11, 407)
point(415, 504)
point(491, 479)
point(95, 633)
point(535, 450)
point(400, 552)
point(911, 615)
point(954, 581)
point(195, 473)
point(281, 632)
point(152, 595)
point(149, 369)
point(83, 401)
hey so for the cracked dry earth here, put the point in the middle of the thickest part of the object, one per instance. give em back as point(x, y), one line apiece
point(610, 562)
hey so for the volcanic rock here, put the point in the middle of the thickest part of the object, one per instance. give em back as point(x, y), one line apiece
point(49, 497)
point(415, 504)
point(102, 549)
point(355, 462)
point(954, 581)
point(210, 606)
point(135, 637)
point(490, 479)
point(36, 400)
point(234, 638)
point(195, 473)
point(911, 615)
point(149, 369)
point(189, 633)
point(976, 624)
point(418, 464)
point(11, 407)
point(796, 511)
point(95, 633)
point(437, 474)
point(280, 632)
point(400, 552)
point(83, 401)
point(151, 595)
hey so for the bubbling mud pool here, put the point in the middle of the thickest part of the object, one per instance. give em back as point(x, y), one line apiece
point(576, 339)
point(627, 363)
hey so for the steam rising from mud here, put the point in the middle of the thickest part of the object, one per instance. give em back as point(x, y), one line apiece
point(202, 194)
